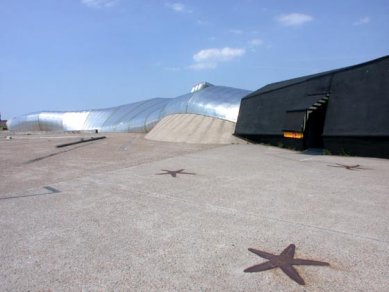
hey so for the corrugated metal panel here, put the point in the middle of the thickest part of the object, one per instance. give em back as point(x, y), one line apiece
point(178, 105)
point(96, 119)
point(25, 123)
point(217, 101)
point(138, 120)
point(51, 121)
point(214, 101)
point(74, 121)
point(116, 121)
point(152, 119)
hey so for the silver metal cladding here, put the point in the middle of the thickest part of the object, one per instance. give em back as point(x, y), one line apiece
point(208, 100)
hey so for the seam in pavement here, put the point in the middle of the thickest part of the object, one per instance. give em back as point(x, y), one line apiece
point(97, 172)
point(236, 212)
point(220, 208)
point(232, 211)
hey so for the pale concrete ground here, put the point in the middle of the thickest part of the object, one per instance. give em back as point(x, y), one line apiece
point(28, 159)
point(116, 225)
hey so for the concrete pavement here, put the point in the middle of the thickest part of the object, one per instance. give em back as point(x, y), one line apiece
point(116, 225)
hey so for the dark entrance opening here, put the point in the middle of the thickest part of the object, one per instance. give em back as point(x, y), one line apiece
point(314, 128)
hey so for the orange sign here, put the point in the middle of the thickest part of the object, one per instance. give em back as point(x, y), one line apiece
point(294, 135)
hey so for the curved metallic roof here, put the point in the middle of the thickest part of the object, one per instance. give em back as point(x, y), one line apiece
point(205, 99)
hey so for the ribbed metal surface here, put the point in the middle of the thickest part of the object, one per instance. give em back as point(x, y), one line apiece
point(214, 101)
point(50, 121)
point(217, 101)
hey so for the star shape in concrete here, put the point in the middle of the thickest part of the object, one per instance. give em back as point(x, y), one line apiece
point(348, 167)
point(174, 173)
point(285, 261)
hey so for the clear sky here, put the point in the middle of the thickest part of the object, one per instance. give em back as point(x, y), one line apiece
point(84, 54)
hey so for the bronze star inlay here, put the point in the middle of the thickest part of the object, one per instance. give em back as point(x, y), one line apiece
point(174, 173)
point(348, 167)
point(285, 261)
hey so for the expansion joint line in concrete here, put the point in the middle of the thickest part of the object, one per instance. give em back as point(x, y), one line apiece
point(235, 212)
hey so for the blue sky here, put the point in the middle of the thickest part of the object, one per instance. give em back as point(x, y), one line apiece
point(83, 54)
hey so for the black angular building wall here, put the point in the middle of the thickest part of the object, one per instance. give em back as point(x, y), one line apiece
point(354, 111)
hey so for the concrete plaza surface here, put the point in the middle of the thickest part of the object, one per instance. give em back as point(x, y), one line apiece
point(103, 216)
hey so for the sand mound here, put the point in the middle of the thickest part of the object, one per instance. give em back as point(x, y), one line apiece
point(190, 128)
